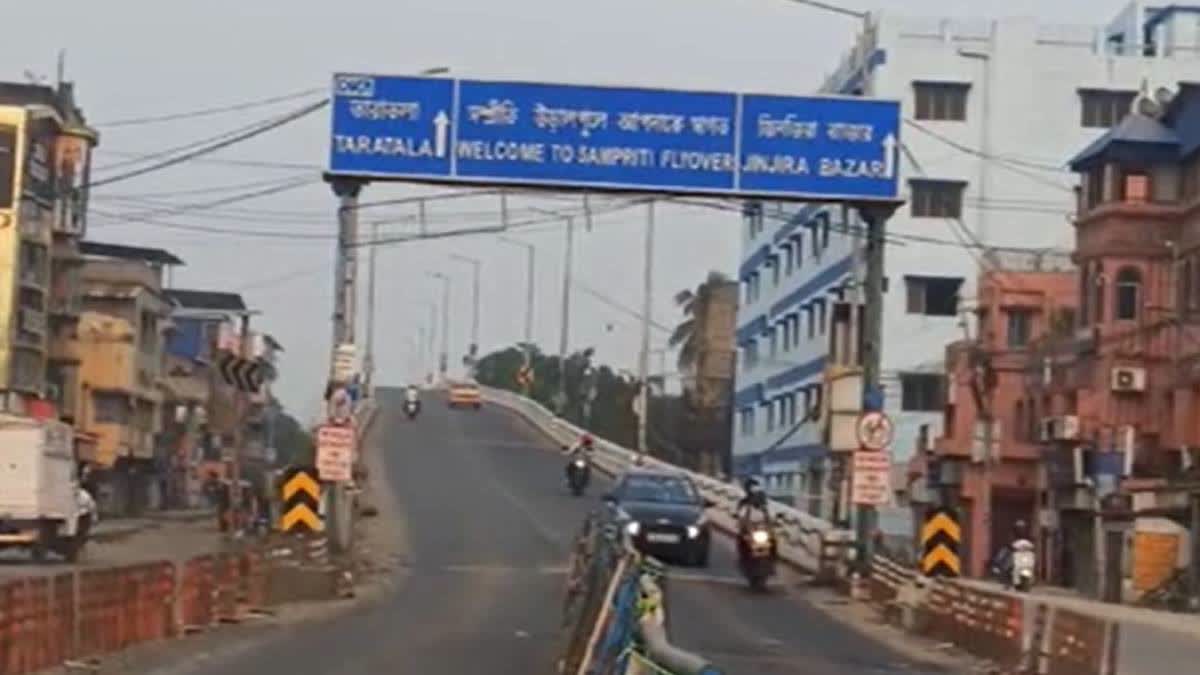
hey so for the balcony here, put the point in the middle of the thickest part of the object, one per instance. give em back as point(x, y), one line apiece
point(65, 349)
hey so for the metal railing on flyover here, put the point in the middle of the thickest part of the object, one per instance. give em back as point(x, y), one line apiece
point(807, 542)
point(615, 609)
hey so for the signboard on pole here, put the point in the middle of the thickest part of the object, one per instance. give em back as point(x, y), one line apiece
point(615, 138)
point(870, 478)
point(335, 453)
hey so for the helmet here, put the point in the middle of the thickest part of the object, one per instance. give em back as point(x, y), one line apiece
point(750, 484)
point(586, 440)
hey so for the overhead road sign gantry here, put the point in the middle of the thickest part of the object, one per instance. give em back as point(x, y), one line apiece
point(614, 138)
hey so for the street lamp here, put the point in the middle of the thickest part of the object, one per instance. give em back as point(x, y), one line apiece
point(443, 360)
point(475, 264)
point(564, 330)
point(530, 256)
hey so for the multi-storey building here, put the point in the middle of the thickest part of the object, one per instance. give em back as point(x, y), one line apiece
point(991, 108)
point(121, 338)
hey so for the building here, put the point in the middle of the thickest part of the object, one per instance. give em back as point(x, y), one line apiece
point(993, 482)
point(991, 108)
point(203, 418)
point(707, 357)
point(45, 158)
point(121, 336)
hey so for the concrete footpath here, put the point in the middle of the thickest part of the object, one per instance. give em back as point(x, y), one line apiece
point(1153, 642)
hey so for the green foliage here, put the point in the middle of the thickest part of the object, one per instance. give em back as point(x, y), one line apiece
point(293, 442)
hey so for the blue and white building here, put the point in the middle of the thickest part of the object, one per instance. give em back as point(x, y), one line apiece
point(992, 110)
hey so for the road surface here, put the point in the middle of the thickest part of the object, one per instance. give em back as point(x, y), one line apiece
point(488, 521)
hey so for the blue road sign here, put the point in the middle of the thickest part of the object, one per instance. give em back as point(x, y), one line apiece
point(628, 139)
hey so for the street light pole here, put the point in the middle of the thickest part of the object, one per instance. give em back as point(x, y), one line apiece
point(444, 357)
point(475, 264)
point(647, 307)
point(564, 330)
point(369, 359)
point(530, 257)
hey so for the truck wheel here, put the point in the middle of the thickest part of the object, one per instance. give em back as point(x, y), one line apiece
point(73, 548)
point(43, 542)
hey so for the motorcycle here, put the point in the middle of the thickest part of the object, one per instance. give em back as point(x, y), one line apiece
point(411, 408)
point(1023, 565)
point(578, 474)
point(756, 556)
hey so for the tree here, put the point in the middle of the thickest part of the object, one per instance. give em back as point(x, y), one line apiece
point(694, 306)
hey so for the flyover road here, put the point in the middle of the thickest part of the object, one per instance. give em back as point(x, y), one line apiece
point(488, 523)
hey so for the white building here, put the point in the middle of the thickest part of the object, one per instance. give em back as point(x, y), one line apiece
point(993, 109)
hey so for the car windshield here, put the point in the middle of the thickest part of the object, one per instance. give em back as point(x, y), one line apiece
point(659, 489)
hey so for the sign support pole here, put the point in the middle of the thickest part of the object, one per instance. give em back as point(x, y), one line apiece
point(647, 308)
point(875, 217)
point(242, 408)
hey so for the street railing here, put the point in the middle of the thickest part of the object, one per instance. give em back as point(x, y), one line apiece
point(806, 542)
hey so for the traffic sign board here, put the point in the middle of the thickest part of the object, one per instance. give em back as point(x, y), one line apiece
point(870, 480)
point(335, 453)
point(242, 374)
point(622, 138)
point(875, 431)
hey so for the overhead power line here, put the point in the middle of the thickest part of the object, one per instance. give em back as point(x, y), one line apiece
point(224, 201)
point(248, 163)
point(208, 149)
point(205, 112)
point(825, 6)
point(166, 194)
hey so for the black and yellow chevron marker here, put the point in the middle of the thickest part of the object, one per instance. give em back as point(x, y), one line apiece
point(301, 502)
point(940, 537)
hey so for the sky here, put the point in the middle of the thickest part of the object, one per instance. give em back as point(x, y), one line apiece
point(137, 58)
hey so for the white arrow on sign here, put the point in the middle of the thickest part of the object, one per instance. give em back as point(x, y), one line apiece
point(889, 156)
point(441, 123)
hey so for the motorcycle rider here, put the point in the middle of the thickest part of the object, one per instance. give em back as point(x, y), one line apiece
point(1002, 561)
point(751, 511)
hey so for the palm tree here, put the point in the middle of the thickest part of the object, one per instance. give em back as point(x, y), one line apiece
point(693, 305)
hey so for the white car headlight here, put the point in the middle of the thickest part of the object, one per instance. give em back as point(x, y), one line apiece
point(633, 527)
point(760, 537)
point(693, 531)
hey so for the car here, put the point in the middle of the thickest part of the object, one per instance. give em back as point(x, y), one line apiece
point(465, 394)
point(666, 515)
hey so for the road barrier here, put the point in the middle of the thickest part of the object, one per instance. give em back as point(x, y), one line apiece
point(615, 610)
point(46, 621)
point(806, 542)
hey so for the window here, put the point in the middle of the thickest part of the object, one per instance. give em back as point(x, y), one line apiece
point(820, 317)
point(786, 327)
point(932, 296)
point(824, 231)
point(945, 101)
point(770, 406)
point(8, 165)
point(1020, 325)
point(818, 394)
point(922, 392)
point(789, 256)
point(752, 212)
point(799, 244)
point(1102, 108)
point(110, 408)
point(936, 198)
point(1135, 187)
point(1128, 296)
point(774, 340)
point(1184, 295)
point(773, 263)
point(811, 310)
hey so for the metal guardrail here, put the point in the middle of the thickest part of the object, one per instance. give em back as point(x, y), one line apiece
point(807, 542)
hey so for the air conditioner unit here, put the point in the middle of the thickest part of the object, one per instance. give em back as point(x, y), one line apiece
point(1128, 379)
point(1059, 428)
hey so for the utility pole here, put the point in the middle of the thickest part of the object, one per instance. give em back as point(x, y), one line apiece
point(647, 308)
point(369, 359)
point(564, 330)
point(875, 217)
point(241, 403)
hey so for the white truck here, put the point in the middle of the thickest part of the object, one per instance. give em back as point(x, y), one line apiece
point(42, 506)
